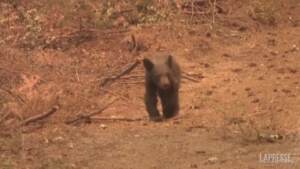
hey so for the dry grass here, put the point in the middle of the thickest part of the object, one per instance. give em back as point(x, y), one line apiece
point(265, 11)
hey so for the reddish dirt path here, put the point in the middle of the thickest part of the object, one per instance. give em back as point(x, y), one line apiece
point(250, 91)
point(242, 81)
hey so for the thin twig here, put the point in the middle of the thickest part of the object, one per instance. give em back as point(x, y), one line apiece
point(87, 117)
point(4, 117)
point(77, 75)
point(115, 94)
point(133, 77)
point(128, 69)
point(94, 32)
point(213, 6)
point(40, 116)
point(132, 82)
point(191, 74)
point(193, 10)
point(116, 119)
point(17, 97)
point(190, 78)
point(130, 101)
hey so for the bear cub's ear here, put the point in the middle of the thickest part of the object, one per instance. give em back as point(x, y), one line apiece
point(148, 64)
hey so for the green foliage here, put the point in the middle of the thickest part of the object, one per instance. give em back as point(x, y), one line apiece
point(33, 27)
point(134, 12)
point(104, 16)
point(149, 12)
point(143, 5)
point(265, 11)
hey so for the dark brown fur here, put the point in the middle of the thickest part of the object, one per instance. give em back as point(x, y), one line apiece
point(162, 79)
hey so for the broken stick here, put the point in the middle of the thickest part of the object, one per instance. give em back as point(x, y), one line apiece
point(17, 97)
point(40, 116)
point(116, 119)
point(194, 78)
point(190, 78)
point(4, 117)
point(128, 69)
point(87, 117)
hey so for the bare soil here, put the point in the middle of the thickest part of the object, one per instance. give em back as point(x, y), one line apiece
point(244, 104)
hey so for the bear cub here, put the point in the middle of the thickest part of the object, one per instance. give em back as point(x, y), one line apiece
point(162, 79)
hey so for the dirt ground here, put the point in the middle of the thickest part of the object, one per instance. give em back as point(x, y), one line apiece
point(239, 100)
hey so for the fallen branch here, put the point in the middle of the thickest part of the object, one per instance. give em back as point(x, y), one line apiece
point(116, 119)
point(4, 117)
point(193, 74)
point(107, 32)
point(127, 70)
point(87, 117)
point(195, 77)
point(40, 116)
point(114, 94)
point(118, 95)
point(132, 82)
point(133, 77)
point(190, 78)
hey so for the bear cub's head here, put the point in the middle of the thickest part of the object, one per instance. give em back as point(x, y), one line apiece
point(159, 71)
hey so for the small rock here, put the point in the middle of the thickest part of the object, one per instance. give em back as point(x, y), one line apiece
point(295, 48)
point(274, 53)
point(212, 160)
point(71, 145)
point(270, 137)
point(58, 139)
point(194, 107)
point(103, 126)
point(46, 140)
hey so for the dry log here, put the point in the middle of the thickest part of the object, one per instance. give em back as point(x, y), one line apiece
point(116, 119)
point(87, 117)
point(40, 116)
